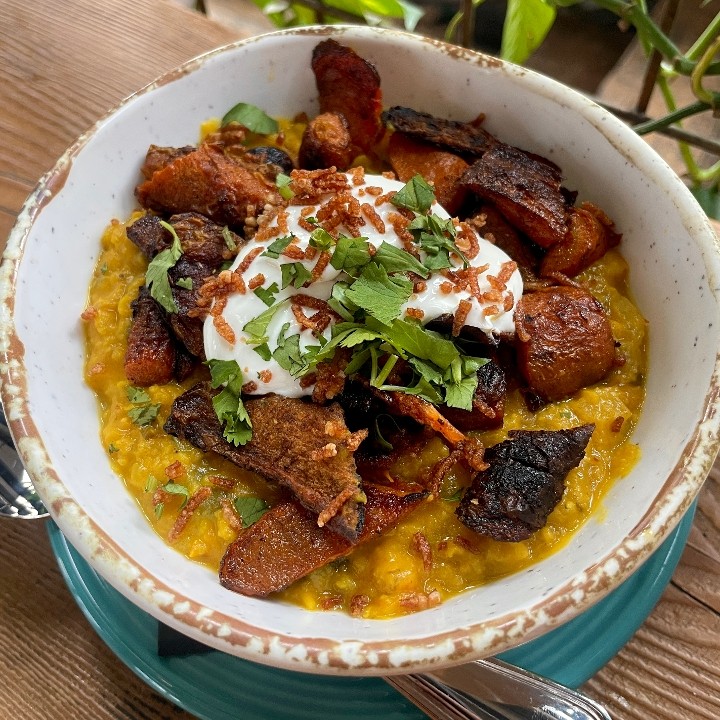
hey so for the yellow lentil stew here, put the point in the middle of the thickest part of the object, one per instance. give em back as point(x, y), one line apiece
point(429, 556)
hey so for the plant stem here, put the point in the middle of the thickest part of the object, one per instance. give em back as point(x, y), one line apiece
point(685, 151)
point(708, 35)
point(671, 118)
point(698, 73)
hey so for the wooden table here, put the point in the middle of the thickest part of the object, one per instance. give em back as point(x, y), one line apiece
point(62, 65)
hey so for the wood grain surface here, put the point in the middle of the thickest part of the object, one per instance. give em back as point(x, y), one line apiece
point(62, 66)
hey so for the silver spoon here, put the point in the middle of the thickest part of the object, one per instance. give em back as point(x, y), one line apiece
point(480, 690)
point(18, 498)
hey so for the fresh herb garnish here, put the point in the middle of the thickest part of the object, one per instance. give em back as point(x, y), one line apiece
point(276, 248)
point(112, 448)
point(251, 117)
point(257, 327)
point(350, 255)
point(144, 411)
point(395, 259)
point(228, 405)
point(156, 277)
point(144, 415)
point(229, 238)
point(379, 294)
point(136, 395)
point(288, 354)
point(435, 235)
point(321, 239)
point(186, 283)
point(267, 295)
point(282, 183)
point(416, 195)
point(175, 489)
point(250, 509)
point(295, 274)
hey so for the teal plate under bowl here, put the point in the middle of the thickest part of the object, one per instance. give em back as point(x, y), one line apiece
point(216, 686)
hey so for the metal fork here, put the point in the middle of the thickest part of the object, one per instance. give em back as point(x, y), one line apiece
point(18, 498)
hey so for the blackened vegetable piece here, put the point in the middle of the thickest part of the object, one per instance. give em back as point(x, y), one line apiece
point(524, 482)
point(525, 188)
point(350, 85)
point(272, 156)
point(467, 139)
point(287, 544)
point(150, 356)
point(303, 446)
point(564, 341)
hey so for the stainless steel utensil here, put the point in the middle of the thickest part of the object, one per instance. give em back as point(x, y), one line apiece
point(494, 690)
point(18, 498)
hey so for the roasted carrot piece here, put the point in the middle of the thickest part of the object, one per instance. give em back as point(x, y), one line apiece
point(440, 168)
point(286, 543)
point(349, 85)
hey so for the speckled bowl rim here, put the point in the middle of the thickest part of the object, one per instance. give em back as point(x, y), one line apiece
point(323, 655)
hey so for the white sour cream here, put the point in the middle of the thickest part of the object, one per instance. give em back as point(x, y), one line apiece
point(434, 300)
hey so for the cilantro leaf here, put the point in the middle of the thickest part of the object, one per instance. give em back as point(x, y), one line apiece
point(282, 182)
point(228, 405)
point(267, 295)
point(263, 351)
point(295, 274)
point(379, 294)
point(251, 117)
point(186, 283)
point(257, 327)
point(276, 248)
point(156, 276)
point(136, 395)
point(350, 255)
point(288, 354)
point(143, 415)
point(321, 239)
point(175, 489)
point(460, 393)
point(250, 509)
point(415, 195)
point(395, 259)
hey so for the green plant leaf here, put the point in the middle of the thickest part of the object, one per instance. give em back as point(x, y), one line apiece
point(709, 199)
point(527, 22)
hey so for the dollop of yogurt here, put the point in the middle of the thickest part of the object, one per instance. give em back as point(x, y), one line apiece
point(491, 304)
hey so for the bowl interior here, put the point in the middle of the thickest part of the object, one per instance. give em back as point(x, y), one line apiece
point(52, 252)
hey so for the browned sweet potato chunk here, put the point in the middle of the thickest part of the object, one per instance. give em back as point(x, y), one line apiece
point(302, 446)
point(326, 143)
point(207, 182)
point(349, 85)
point(564, 341)
point(158, 157)
point(150, 354)
point(590, 235)
point(525, 188)
point(440, 168)
point(286, 543)
point(492, 225)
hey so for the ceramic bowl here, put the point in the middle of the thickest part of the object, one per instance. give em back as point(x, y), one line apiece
point(675, 272)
